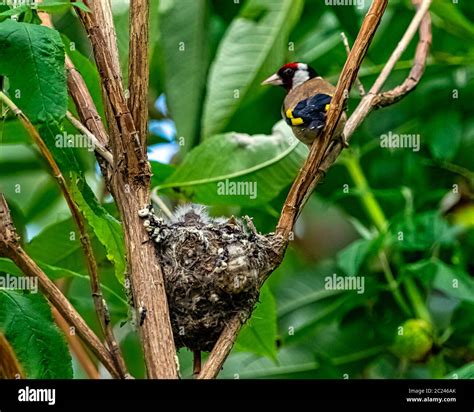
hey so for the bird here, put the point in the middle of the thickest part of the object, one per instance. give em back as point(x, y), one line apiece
point(307, 101)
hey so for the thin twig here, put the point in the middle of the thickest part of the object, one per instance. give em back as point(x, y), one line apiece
point(95, 142)
point(359, 84)
point(100, 304)
point(84, 105)
point(10, 247)
point(162, 205)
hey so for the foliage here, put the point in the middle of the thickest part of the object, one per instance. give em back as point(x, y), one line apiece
point(401, 219)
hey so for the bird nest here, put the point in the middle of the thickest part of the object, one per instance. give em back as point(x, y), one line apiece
point(212, 270)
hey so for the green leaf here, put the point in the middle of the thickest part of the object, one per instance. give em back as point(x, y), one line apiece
point(262, 165)
point(351, 258)
point(260, 332)
point(107, 229)
point(293, 363)
point(452, 281)
point(26, 322)
point(452, 19)
point(13, 132)
point(161, 171)
point(185, 48)
point(445, 135)
point(38, 84)
point(423, 231)
point(465, 372)
point(253, 47)
point(58, 245)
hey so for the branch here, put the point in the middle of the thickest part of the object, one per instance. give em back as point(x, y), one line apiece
point(76, 347)
point(100, 304)
point(421, 55)
point(130, 183)
point(95, 142)
point(311, 174)
point(307, 177)
point(84, 104)
point(138, 69)
point(359, 84)
point(10, 247)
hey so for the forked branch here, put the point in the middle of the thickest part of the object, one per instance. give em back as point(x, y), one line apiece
point(323, 155)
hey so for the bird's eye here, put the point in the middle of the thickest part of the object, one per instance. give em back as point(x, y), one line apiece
point(288, 72)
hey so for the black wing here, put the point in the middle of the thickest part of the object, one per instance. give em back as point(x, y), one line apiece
point(310, 112)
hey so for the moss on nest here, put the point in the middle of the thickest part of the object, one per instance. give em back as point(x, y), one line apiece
point(212, 271)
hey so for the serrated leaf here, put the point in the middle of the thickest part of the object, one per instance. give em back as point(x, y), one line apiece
point(262, 165)
point(260, 332)
point(26, 322)
point(255, 40)
point(185, 49)
point(38, 84)
point(107, 229)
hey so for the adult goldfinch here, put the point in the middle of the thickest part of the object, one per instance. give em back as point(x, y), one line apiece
point(307, 101)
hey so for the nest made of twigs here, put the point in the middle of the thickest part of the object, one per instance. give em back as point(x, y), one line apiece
point(212, 269)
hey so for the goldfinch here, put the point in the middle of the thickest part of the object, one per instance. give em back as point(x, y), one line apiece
point(307, 101)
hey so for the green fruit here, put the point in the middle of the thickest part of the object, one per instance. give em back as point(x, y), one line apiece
point(414, 340)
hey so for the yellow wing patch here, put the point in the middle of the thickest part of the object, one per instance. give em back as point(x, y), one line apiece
point(327, 107)
point(297, 121)
point(294, 121)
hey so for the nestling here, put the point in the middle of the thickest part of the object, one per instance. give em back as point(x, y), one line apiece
point(307, 101)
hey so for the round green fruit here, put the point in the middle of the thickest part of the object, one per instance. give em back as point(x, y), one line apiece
point(414, 340)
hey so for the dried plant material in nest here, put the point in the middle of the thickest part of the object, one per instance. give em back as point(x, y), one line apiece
point(212, 270)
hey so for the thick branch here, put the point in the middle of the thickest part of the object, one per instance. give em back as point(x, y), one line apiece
point(10, 247)
point(138, 66)
point(130, 183)
point(100, 304)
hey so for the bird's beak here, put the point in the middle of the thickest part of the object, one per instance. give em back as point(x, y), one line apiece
point(274, 80)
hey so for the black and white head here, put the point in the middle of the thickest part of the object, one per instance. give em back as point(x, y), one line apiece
point(291, 75)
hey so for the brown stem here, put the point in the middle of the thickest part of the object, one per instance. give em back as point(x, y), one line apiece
point(99, 301)
point(310, 174)
point(306, 179)
point(359, 84)
point(130, 183)
point(196, 363)
point(138, 69)
point(10, 247)
point(9, 366)
point(76, 346)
